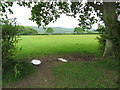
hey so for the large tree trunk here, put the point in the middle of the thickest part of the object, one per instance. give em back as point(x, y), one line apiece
point(110, 20)
point(108, 48)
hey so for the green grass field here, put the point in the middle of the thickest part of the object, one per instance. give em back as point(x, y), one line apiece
point(35, 46)
point(98, 74)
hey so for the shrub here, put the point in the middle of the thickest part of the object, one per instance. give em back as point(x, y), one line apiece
point(9, 43)
point(11, 67)
point(101, 39)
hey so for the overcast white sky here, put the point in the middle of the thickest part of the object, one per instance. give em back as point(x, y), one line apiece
point(23, 14)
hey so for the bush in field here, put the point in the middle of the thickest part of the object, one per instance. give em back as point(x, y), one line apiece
point(49, 30)
point(78, 30)
point(27, 30)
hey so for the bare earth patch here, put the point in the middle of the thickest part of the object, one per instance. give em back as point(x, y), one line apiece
point(42, 76)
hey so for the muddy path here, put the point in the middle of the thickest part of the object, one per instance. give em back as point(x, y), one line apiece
point(43, 75)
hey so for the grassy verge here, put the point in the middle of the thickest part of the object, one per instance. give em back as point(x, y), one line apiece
point(98, 74)
point(10, 77)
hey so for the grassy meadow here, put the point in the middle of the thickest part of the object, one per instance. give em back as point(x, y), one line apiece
point(81, 74)
point(39, 45)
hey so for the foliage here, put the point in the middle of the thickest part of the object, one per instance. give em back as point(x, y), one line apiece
point(102, 42)
point(101, 29)
point(20, 70)
point(116, 42)
point(9, 41)
point(10, 38)
point(78, 30)
point(115, 39)
point(47, 12)
point(49, 30)
point(56, 29)
point(27, 30)
point(101, 38)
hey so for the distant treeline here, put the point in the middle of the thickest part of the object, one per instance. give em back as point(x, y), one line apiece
point(63, 34)
point(58, 30)
point(24, 30)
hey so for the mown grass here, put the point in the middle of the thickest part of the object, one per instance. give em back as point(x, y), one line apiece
point(98, 74)
point(35, 46)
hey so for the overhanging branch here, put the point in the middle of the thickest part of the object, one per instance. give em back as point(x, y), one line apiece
point(96, 7)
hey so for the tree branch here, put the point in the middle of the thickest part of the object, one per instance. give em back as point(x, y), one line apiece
point(96, 7)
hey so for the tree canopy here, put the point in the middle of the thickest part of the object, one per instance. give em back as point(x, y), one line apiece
point(49, 30)
point(101, 29)
point(45, 12)
point(78, 30)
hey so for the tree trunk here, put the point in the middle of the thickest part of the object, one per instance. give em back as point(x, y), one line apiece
point(110, 19)
point(108, 48)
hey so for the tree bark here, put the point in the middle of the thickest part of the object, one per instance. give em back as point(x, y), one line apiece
point(110, 19)
point(108, 48)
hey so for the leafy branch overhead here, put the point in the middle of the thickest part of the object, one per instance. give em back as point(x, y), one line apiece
point(45, 12)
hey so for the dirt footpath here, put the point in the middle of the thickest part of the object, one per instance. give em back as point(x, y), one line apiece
point(42, 77)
